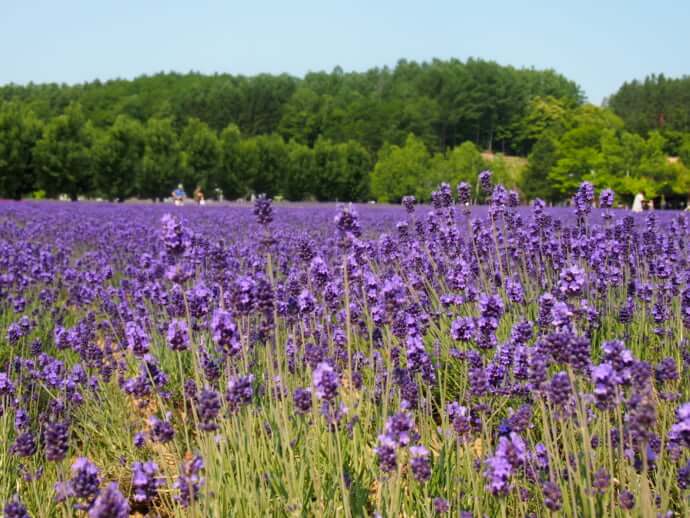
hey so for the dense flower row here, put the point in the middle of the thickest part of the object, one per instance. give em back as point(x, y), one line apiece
point(332, 360)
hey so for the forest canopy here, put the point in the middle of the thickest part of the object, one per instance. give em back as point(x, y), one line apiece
point(381, 134)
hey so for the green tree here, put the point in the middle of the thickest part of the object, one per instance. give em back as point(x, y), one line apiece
point(161, 165)
point(460, 164)
point(19, 132)
point(201, 155)
point(228, 179)
point(301, 118)
point(535, 180)
point(262, 163)
point(579, 155)
point(301, 176)
point(342, 171)
point(63, 154)
point(401, 171)
point(355, 183)
point(684, 151)
point(544, 114)
point(117, 155)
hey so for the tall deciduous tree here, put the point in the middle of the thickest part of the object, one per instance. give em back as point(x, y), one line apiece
point(400, 171)
point(301, 176)
point(63, 154)
point(19, 132)
point(228, 178)
point(117, 156)
point(161, 167)
point(200, 155)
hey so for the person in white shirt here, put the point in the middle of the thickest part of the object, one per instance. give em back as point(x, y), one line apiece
point(638, 202)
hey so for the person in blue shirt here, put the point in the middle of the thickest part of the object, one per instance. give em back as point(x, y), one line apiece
point(179, 195)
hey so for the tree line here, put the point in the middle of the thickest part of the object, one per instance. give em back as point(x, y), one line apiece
point(380, 134)
point(313, 137)
point(444, 102)
point(69, 155)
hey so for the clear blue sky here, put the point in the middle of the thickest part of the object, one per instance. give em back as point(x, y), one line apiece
point(599, 44)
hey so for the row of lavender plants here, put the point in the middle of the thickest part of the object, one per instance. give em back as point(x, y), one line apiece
point(316, 361)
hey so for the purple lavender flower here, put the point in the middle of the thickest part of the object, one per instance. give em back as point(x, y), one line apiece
point(512, 448)
point(485, 181)
point(491, 306)
point(161, 430)
point(604, 380)
point(85, 480)
point(24, 445)
point(409, 202)
point(15, 509)
point(464, 195)
point(498, 473)
point(175, 237)
point(139, 440)
point(208, 408)
point(326, 381)
point(400, 428)
point(55, 438)
point(641, 417)
point(546, 303)
point(21, 419)
point(14, 333)
point(347, 222)
point(386, 453)
point(263, 210)
point(560, 390)
point(666, 370)
point(189, 482)
point(626, 500)
point(137, 340)
point(460, 419)
point(606, 199)
point(601, 481)
point(306, 302)
point(110, 503)
point(553, 499)
point(225, 333)
point(679, 434)
point(145, 481)
point(302, 399)
point(441, 505)
point(178, 335)
point(420, 463)
point(463, 329)
point(583, 199)
point(6, 385)
point(240, 391)
point(562, 315)
point(571, 281)
point(684, 476)
point(515, 292)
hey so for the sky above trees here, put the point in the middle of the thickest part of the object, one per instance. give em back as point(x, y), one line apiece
point(597, 44)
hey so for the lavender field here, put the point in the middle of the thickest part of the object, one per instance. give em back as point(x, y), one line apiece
point(325, 360)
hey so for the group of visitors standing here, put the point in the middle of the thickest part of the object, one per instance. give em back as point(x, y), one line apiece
point(179, 195)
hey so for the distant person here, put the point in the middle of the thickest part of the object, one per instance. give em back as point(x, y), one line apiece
point(638, 202)
point(199, 196)
point(179, 195)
